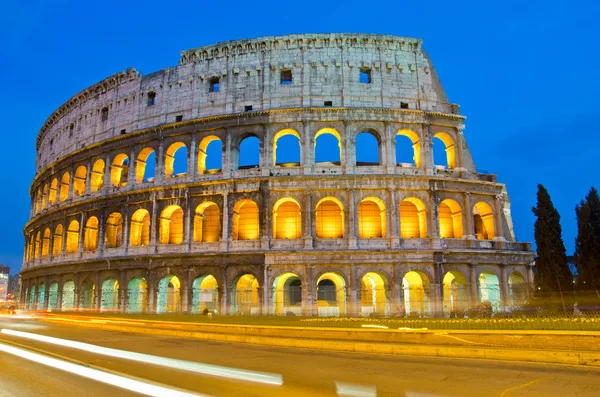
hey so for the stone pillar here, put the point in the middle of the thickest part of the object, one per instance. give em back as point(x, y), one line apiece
point(225, 227)
point(125, 239)
point(347, 158)
point(474, 284)
point(427, 148)
point(59, 294)
point(154, 223)
point(159, 173)
point(352, 221)
point(107, 172)
point(192, 159)
point(468, 217)
point(223, 292)
point(266, 148)
point(504, 294)
point(187, 237)
point(226, 165)
point(393, 220)
point(151, 293)
point(306, 287)
point(438, 292)
point(185, 292)
point(498, 218)
point(123, 285)
point(88, 179)
point(265, 220)
point(308, 149)
point(433, 203)
point(82, 233)
point(98, 297)
point(101, 232)
point(71, 184)
point(307, 234)
point(77, 293)
point(266, 284)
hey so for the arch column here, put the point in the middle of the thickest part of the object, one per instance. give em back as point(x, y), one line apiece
point(308, 152)
point(159, 174)
point(468, 214)
point(71, 184)
point(153, 226)
point(151, 293)
point(81, 233)
point(131, 182)
point(308, 291)
point(88, 178)
point(427, 153)
point(266, 296)
point(393, 220)
point(226, 155)
point(185, 292)
point(307, 221)
point(390, 148)
point(192, 159)
point(266, 151)
point(225, 227)
point(499, 233)
point(46, 293)
point(223, 292)
point(347, 158)
point(123, 286)
point(504, 297)
point(76, 291)
point(352, 226)
point(98, 290)
point(474, 285)
point(107, 171)
point(353, 306)
point(59, 294)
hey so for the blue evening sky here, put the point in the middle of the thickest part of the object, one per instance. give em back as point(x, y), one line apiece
point(524, 72)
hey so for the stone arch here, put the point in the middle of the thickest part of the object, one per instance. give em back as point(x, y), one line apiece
point(455, 293)
point(249, 152)
point(137, 295)
point(65, 180)
point(87, 294)
point(46, 242)
point(205, 295)
point(489, 288)
point(113, 235)
point(287, 219)
point(119, 170)
point(245, 220)
point(207, 222)
point(168, 297)
point(68, 295)
point(79, 181)
point(175, 157)
point(287, 294)
point(517, 288)
point(369, 141)
point(171, 225)
point(57, 240)
point(449, 147)
point(72, 244)
point(416, 285)
point(415, 143)
point(146, 158)
point(246, 295)
point(203, 155)
point(329, 218)
point(450, 218)
point(331, 295)
point(139, 233)
point(483, 221)
point(90, 235)
point(53, 191)
point(374, 294)
point(322, 146)
point(97, 176)
point(109, 298)
point(291, 143)
point(372, 219)
point(413, 218)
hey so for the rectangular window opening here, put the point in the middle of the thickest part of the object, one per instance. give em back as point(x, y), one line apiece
point(248, 108)
point(328, 104)
point(403, 105)
point(286, 76)
point(214, 85)
point(123, 131)
point(151, 98)
point(178, 118)
point(104, 116)
point(365, 75)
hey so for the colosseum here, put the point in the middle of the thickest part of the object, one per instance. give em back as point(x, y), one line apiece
point(313, 175)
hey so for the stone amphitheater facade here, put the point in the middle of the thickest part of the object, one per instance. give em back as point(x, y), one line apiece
point(343, 237)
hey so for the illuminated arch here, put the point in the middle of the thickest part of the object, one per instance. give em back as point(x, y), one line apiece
point(90, 236)
point(168, 298)
point(287, 294)
point(246, 296)
point(114, 230)
point(38, 200)
point(68, 295)
point(46, 242)
point(64, 186)
point(142, 169)
point(207, 223)
point(483, 221)
point(329, 131)
point(372, 218)
point(413, 218)
point(53, 192)
point(173, 153)
point(456, 294)
point(79, 181)
point(373, 294)
point(416, 286)
point(489, 289)
point(97, 176)
point(291, 133)
point(57, 240)
point(450, 147)
point(416, 145)
point(109, 298)
point(517, 289)
point(137, 295)
point(287, 219)
point(205, 295)
point(203, 154)
point(331, 295)
point(330, 218)
point(450, 218)
point(369, 141)
point(119, 170)
point(139, 233)
point(87, 294)
point(171, 225)
point(245, 222)
point(72, 244)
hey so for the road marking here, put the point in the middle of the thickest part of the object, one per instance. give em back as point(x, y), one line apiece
point(505, 392)
point(354, 390)
point(205, 369)
point(97, 375)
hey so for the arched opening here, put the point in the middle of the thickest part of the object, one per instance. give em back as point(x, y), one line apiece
point(287, 295)
point(413, 218)
point(41, 296)
point(109, 301)
point(205, 295)
point(97, 176)
point(87, 295)
point(68, 295)
point(456, 294)
point(331, 295)
point(286, 148)
point(450, 217)
point(210, 155)
point(38, 200)
point(517, 289)
point(139, 235)
point(90, 236)
point(373, 295)
point(137, 295)
point(113, 235)
point(44, 196)
point(444, 150)
point(330, 218)
point(57, 241)
point(328, 147)
point(367, 149)
point(207, 223)
point(489, 289)
point(176, 160)
point(32, 305)
point(64, 187)
point(483, 221)
point(119, 170)
point(287, 223)
point(245, 297)
point(372, 218)
point(53, 191)
point(408, 148)
point(46, 242)
point(249, 156)
point(171, 225)
point(145, 165)
point(38, 242)
point(416, 287)
point(245, 222)
point(79, 181)
point(53, 296)
point(72, 237)
point(168, 299)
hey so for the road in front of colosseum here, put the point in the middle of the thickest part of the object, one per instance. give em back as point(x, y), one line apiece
point(35, 367)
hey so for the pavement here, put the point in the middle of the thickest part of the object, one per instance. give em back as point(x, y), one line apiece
point(289, 371)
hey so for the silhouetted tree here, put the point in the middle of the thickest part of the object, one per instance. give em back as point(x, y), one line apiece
point(587, 243)
point(551, 268)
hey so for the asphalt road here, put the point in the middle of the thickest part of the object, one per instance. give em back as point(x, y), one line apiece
point(303, 372)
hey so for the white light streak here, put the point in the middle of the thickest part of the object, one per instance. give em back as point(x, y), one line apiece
point(354, 390)
point(97, 375)
point(374, 326)
point(205, 369)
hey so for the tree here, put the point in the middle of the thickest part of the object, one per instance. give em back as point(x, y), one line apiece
point(551, 268)
point(587, 243)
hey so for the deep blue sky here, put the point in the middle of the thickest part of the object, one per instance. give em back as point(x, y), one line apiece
point(524, 73)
